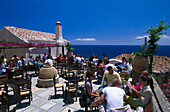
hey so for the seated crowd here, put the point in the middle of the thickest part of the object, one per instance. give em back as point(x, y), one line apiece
point(111, 93)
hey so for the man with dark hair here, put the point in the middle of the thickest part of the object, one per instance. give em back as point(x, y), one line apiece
point(109, 75)
point(124, 65)
point(109, 64)
point(44, 57)
point(113, 95)
point(104, 58)
point(90, 60)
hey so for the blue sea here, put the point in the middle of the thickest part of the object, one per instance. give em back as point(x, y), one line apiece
point(112, 51)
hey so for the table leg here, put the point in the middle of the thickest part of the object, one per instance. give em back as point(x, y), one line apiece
point(16, 92)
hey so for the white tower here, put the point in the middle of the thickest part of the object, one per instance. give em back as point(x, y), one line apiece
point(58, 30)
point(59, 37)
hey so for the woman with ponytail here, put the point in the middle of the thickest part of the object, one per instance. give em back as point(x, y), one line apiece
point(88, 84)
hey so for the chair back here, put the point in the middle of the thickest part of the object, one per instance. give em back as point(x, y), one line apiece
point(19, 72)
point(3, 78)
point(36, 69)
point(27, 86)
point(25, 91)
point(54, 81)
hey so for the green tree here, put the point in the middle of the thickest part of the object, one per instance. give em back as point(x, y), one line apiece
point(155, 34)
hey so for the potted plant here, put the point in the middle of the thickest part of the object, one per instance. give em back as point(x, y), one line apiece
point(69, 50)
point(139, 63)
point(147, 51)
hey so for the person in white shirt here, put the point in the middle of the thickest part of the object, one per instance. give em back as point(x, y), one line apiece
point(49, 60)
point(21, 62)
point(78, 59)
point(95, 60)
point(113, 95)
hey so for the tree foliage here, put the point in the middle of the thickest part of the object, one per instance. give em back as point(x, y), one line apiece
point(155, 34)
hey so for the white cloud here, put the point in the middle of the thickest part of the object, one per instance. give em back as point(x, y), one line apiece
point(166, 37)
point(141, 37)
point(85, 39)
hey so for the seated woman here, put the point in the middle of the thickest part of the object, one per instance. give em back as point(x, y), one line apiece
point(11, 64)
point(88, 84)
point(138, 86)
point(144, 96)
point(109, 75)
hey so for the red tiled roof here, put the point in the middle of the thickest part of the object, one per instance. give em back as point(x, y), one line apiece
point(31, 35)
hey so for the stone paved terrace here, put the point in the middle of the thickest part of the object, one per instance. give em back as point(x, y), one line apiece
point(41, 102)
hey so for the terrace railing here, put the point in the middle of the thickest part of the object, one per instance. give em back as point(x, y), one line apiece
point(160, 102)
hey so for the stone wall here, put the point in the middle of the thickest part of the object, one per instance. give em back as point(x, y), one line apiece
point(161, 99)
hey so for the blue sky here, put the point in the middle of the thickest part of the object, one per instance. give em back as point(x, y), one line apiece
point(89, 22)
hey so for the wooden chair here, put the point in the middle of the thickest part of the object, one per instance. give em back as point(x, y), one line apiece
point(58, 85)
point(81, 83)
point(19, 73)
point(25, 92)
point(5, 102)
point(1, 91)
point(36, 68)
point(100, 73)
point(28, 74)
point(3, 78)
point(71, 86)
point(64, 69)
point(59, 68)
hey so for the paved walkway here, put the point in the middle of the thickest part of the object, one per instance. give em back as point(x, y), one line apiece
point(42, 103)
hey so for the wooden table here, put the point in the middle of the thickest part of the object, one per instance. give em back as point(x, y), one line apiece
point(15, 83)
